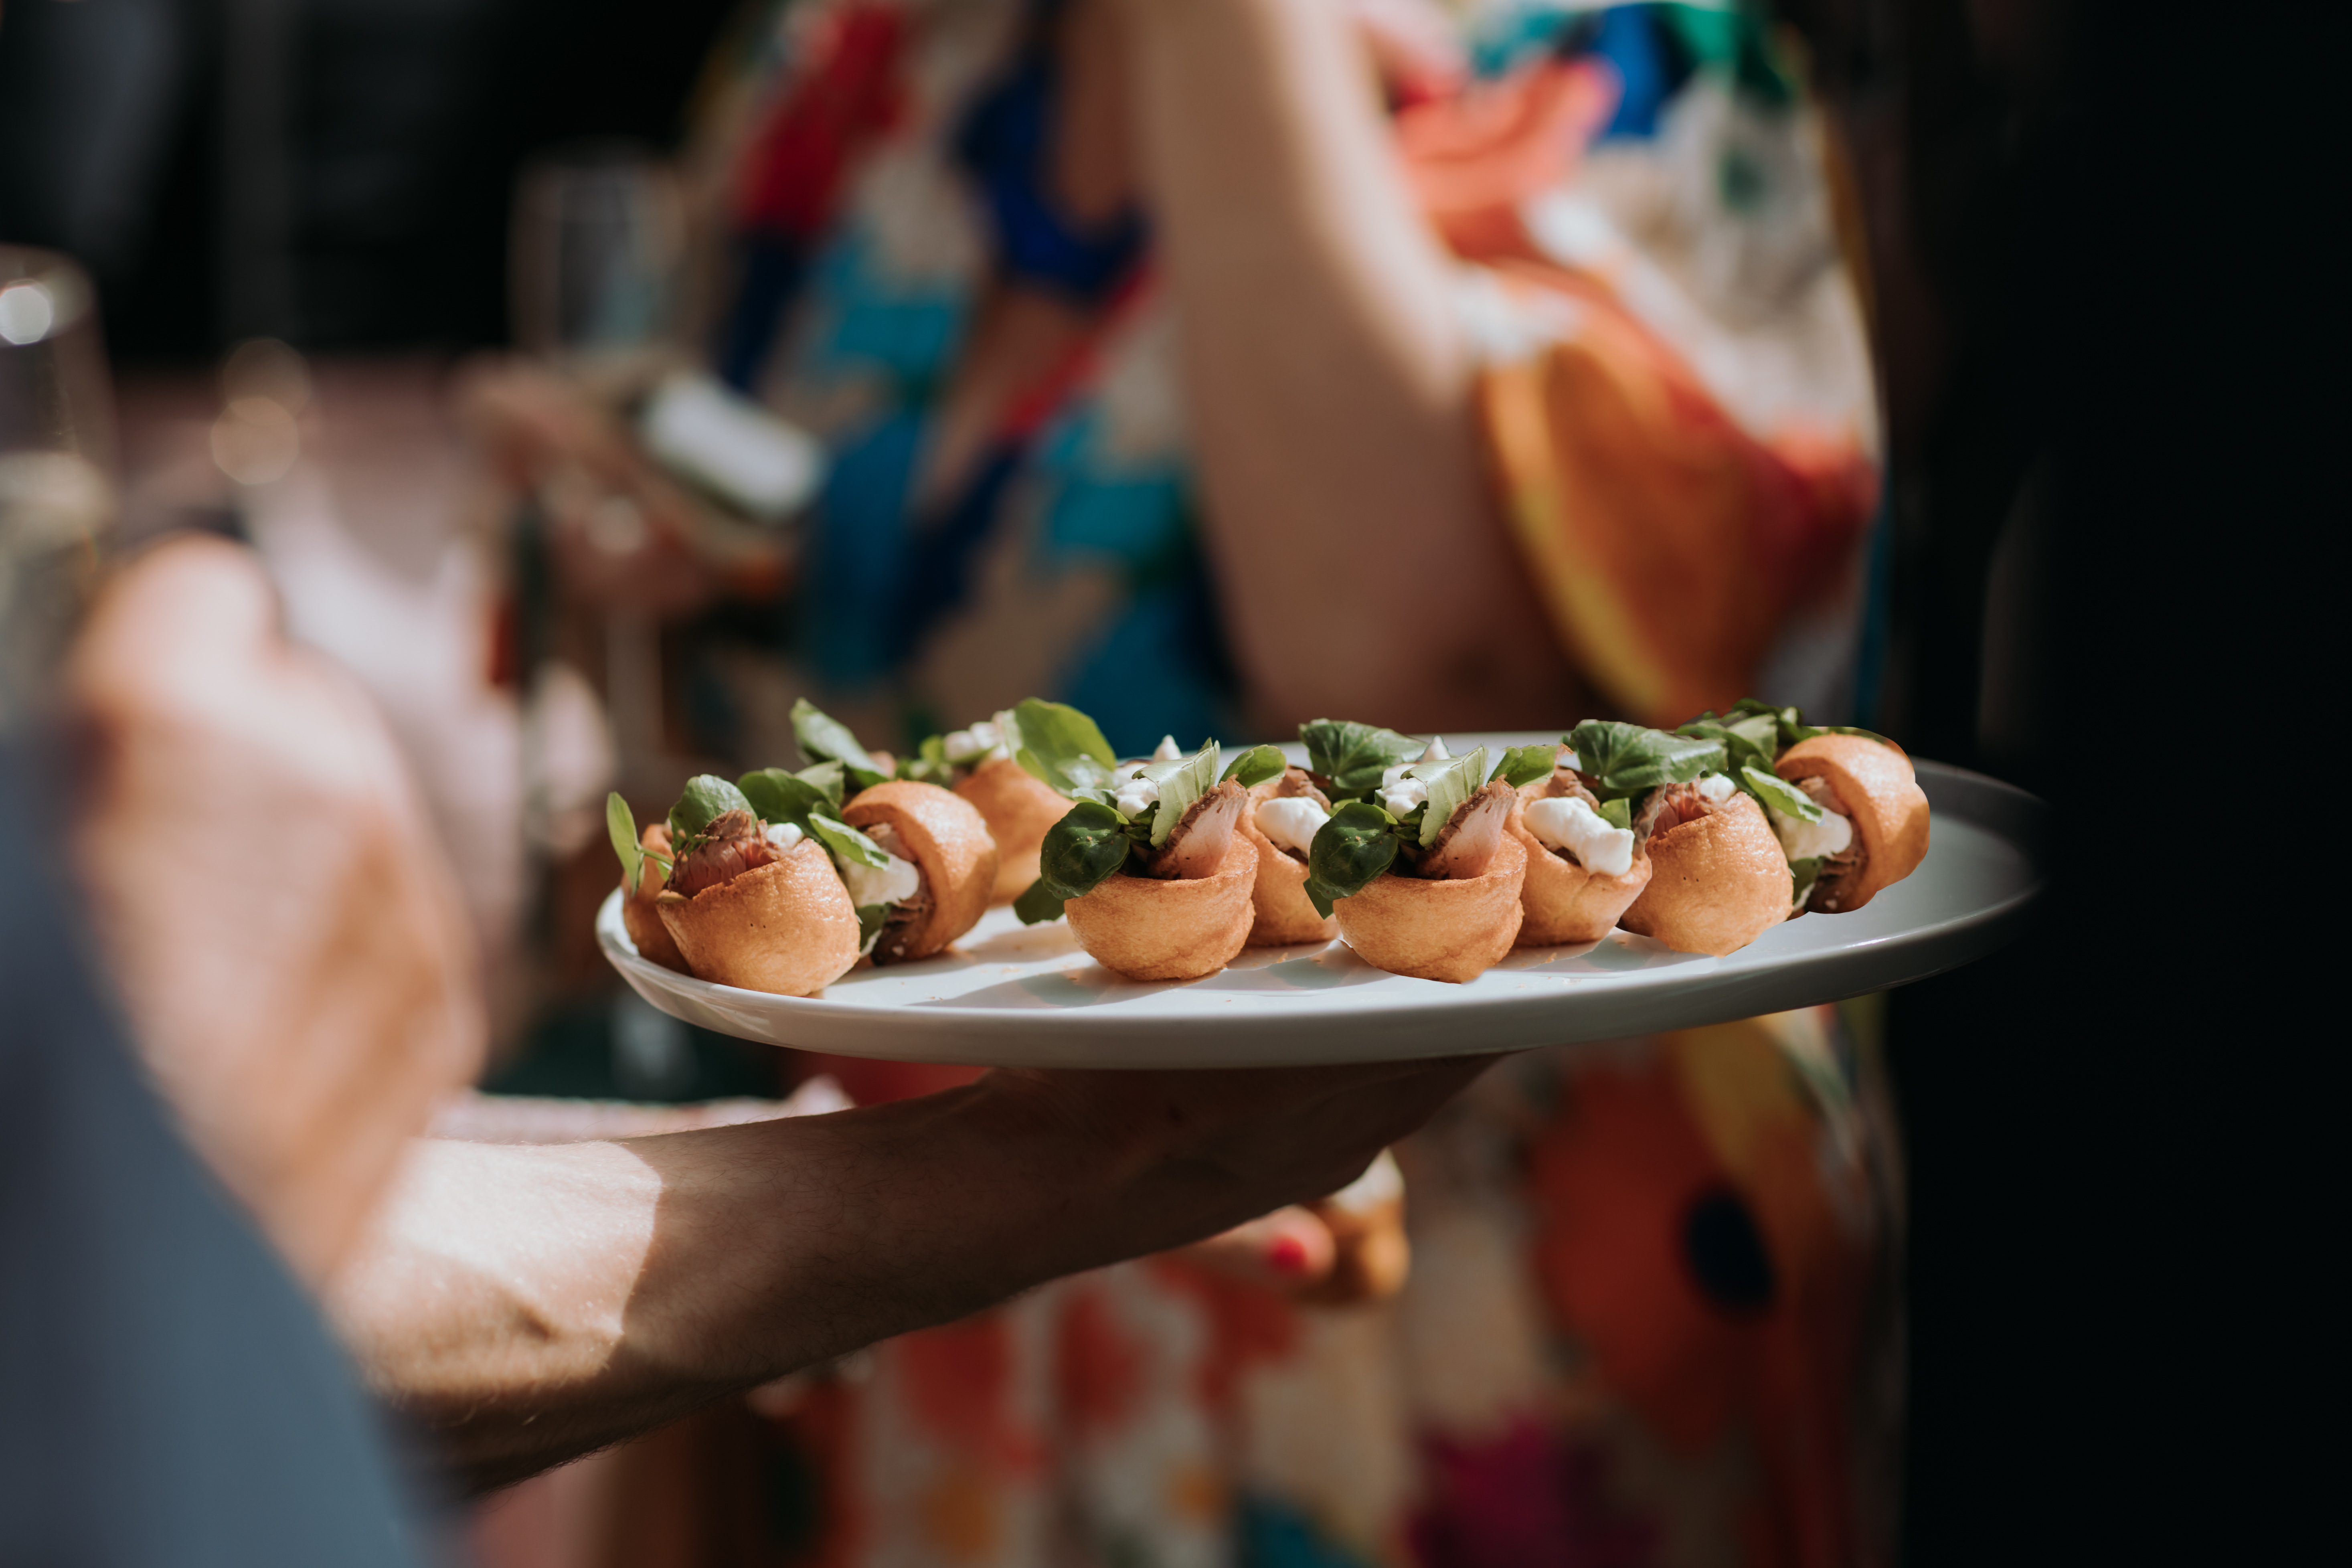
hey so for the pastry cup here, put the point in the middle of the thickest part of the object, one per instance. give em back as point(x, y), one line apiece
point(949, 842)
point(1285, 917)
point(1451, 930)
point(1716, 882)
point(639, 918)
point(1149, 930)
point(1883, 800)
point(1018, 808)
point(1564, 902)
point(786, 928)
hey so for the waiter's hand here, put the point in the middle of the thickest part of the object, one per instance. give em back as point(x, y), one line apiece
point(287, 940)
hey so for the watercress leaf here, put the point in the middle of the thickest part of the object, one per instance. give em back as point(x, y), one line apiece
point(1753, 747)
point(846, 843)
point(1061, 746)
point(1524, 764)
point(1803, 874)
point(622, 824)
point(1353, 756)
point(1080, 851)
point(1348, 853)
point(1627, 759)
point(779, 797)
point(1451, 782)
point(1254, 766)
point(707, 798)
point(870, 918)
point(1783, 796)
point(1618, 813)
point(1181, 781)
point(930, 763)
point(825, 738)
point(827, 777)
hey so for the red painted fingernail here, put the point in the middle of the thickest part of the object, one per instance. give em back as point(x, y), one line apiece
point(1287, 1255)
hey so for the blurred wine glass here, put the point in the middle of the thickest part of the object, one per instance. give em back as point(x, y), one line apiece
point(598, 243)
point(57, 493)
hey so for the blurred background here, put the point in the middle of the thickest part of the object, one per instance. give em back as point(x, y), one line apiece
point(571, 369)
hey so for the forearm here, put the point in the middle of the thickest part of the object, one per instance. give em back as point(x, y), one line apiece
point(1330, 383)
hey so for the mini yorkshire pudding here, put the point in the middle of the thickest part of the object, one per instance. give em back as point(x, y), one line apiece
point(1878, 792)
point(1146, 929)
point(1285, 915)
point(1018, 808)
point(1566, 902)
point(949, 844)
point(639, 918)
point(1453, 930)
point(786, 927)
point(1718, 879)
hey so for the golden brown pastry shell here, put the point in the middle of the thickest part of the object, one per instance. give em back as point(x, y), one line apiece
point(639, 918)
point(1149, 930)
point(949, 842)
point(1716, 882)
point(1883, 799)
point(1284, 916)
point(1018, 808)
point(1451, 930)
point(786, 928)
point(1564, 902)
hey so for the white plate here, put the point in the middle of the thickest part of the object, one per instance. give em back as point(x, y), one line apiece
point(1009, 996)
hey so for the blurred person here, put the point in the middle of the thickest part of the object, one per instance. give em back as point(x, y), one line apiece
point(1216, 366)
point(286, 953)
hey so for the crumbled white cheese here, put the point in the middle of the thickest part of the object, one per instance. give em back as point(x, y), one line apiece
point(1400, 794)
point(1168, 751)
point(1564, 822)
point(1291, 821)
point(1802, 840)
point(1134, 791)
point(983, 740)
point(783, 835)
point(891, 884)
point(1717, 788)
point(1566, 758)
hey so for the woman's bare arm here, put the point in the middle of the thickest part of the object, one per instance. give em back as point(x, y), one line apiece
point(526, 1305)
point(1363, 563)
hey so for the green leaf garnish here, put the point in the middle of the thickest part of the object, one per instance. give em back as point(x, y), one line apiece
point(1804, 872)
point(1524, 764)
point(825, 738)
point(707, 798)
point(930, 763)
point(1627, 759)
point(1349, 853)
point(1450, 781)
point(1056, 743)
point(1772, 791)
point(1618, 813)
point(844, 843)
point(1354, 756)
point(1080, 852)
point(870, 920)
point(1254, 766)
point(1181, 781)
point(622, 824)
point(781, 797)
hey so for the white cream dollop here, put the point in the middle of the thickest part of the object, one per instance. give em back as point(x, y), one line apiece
point(1400, 794)
point(890, 884)
point(781, 835)
point(983, 740)
point(1717, 788)
point(1134, 791)
point(1168, 751)
point(1564, 822)
point(1291, 822)
point(1803, 840)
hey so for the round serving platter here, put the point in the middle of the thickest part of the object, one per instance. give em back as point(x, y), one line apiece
point(1010, 996)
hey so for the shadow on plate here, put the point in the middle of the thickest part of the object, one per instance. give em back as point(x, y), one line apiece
point(1295, 969)
point(1090, 985)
